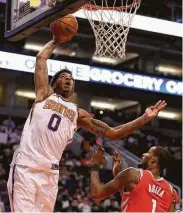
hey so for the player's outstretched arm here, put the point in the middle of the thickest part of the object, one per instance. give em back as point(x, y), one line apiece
point(100, 191)
point(100, 128)
point(42, 87)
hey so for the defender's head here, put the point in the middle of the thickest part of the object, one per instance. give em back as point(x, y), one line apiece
point(156, 157)
point(63, 83)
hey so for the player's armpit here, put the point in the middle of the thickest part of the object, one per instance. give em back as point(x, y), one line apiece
point(100, 191)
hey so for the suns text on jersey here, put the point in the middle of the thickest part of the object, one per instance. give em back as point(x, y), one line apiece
point(60, 108)
point(156, 190)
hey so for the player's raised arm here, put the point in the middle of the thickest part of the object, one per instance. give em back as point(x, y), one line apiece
point(42, 87)
point(100, 128)
point(100, 191)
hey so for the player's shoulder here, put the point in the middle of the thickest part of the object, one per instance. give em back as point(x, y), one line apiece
point(42, 99)
point(167, 185)
point(164, 181)
point(148, 174)
point(133, 172)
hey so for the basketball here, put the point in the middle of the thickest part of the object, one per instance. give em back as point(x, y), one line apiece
point(64, 28)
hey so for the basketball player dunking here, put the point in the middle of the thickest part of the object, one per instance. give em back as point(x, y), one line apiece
point(142, 190)
point(49, 128)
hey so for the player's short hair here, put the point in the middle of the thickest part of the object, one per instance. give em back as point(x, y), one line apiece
point(163, 155)
point(57, 74)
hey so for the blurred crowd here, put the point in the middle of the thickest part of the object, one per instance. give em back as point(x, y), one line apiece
point(74, 182)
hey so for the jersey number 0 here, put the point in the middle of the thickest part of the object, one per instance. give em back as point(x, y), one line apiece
point(54, 122)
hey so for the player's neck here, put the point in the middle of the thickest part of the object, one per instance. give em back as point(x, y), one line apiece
point(155, 172)
point(63, 97)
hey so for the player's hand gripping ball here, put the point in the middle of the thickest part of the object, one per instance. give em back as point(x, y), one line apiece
point(64, 28)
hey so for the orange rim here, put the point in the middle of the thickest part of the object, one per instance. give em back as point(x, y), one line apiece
point(95, 7)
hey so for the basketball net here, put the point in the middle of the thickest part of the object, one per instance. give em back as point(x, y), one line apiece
point(110, 24)
point(51, 3)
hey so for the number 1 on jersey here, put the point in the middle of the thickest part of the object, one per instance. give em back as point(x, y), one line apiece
point(154, 205)
point(54, 122)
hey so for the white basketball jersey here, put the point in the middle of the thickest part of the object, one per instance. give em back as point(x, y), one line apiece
point(47, 131)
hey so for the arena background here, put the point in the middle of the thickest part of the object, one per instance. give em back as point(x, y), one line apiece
point(151, 58)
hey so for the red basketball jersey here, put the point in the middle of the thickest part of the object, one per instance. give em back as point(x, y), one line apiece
point(149, 195)
point(176, 196)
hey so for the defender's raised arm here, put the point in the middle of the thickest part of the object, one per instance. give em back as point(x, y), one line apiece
point(99, 191)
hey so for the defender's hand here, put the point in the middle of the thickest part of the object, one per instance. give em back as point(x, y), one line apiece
point(153, 111)
point(118, 163)
point(98, 156)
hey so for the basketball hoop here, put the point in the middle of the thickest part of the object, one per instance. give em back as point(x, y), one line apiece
point(110, 24)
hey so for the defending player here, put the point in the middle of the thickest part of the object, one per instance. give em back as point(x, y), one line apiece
point(49, 128)
point(142, 190)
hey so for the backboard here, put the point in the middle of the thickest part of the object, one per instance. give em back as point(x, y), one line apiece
point(24, 17)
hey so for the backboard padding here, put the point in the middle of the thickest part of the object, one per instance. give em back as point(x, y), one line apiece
point(67, 7)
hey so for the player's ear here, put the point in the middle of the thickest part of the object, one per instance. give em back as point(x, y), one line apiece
point(154, 159)
point(54, 86)
point(73, 88)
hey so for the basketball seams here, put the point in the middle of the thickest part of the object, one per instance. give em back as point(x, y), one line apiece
point(61, 29)
point(75, 30)
point(64, 28)
point(57, 29)
point(66, 23)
